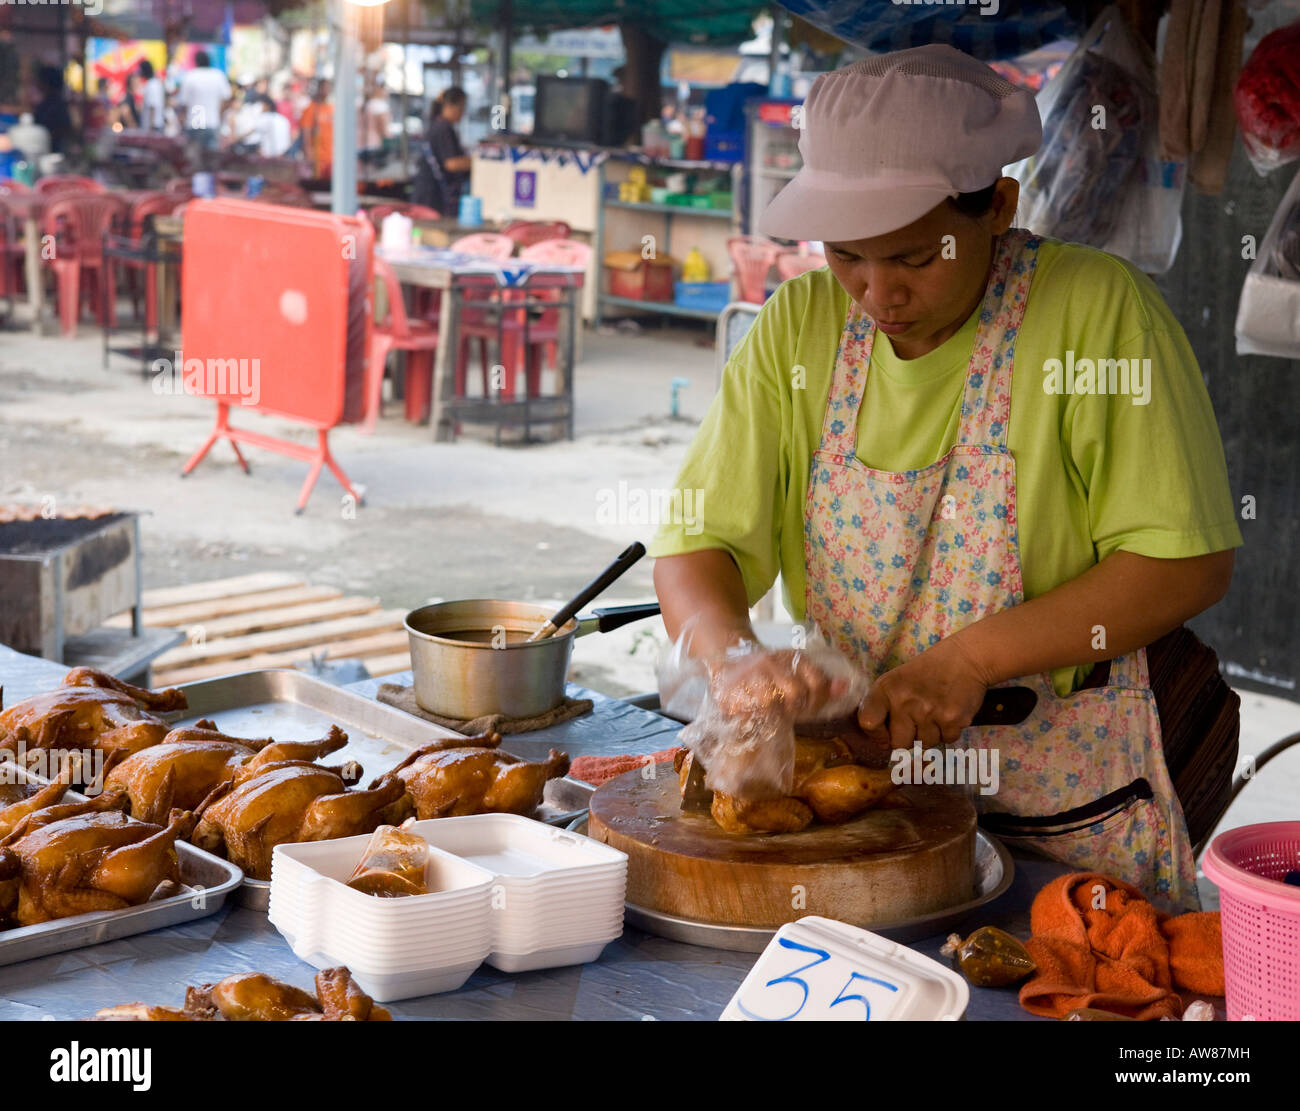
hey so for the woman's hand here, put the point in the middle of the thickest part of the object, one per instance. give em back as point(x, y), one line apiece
point(930, 698)
point(762, 681)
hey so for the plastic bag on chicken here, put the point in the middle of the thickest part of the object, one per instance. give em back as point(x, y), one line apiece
point(742, 708)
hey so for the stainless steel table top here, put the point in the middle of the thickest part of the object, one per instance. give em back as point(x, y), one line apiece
point(637, 977)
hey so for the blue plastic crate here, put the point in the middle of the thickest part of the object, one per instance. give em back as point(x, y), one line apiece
point(708, 296)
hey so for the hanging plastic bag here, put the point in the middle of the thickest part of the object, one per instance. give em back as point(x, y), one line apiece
point(1268, 314)
point(1267, 100)
point(1098, 177)
point(744, 706)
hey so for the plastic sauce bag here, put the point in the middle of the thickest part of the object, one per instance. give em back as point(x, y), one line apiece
point(990, 958)
point(393, 864)
point(744, 708)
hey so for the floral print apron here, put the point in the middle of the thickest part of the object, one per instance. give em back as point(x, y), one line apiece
point(898, 561)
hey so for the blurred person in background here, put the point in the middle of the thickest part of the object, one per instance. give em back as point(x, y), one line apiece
point(203, 94)
point(51, 111)
point(271, 130)
point(446, 170)
point(376, 119)
point(153, 111)
point(318, 130)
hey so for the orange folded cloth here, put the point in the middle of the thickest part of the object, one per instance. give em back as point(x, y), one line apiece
point(1099, 943)
point(597, 769)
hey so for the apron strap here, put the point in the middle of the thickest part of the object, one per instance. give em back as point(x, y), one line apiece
point(848, 383)
point(986, 406)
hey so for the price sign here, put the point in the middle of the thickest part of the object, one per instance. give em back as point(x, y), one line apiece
point(820, 970)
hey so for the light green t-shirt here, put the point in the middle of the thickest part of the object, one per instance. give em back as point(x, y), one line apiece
point(1142, 471)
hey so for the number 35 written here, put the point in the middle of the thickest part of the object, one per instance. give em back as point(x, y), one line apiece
point(813, 997)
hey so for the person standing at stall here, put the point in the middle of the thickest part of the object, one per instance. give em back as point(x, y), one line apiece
point(318, 130)
point(899, 437)
point(153, 109)
point(202, 97)
point(451, 165)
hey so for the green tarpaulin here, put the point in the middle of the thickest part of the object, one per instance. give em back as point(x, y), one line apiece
point(712, 21)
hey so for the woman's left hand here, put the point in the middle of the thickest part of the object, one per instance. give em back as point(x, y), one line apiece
point(930, 698)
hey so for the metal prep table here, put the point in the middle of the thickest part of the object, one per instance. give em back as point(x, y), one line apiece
point(637, 977)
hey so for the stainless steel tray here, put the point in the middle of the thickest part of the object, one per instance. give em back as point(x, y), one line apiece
point(206, 880)
point(292, 706)
point(994, 872)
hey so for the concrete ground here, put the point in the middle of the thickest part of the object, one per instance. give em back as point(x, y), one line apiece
point(440, 520)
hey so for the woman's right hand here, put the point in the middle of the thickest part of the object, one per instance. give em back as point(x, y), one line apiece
point(765, 682)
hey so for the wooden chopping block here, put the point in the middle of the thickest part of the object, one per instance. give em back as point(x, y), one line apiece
point(912, 857)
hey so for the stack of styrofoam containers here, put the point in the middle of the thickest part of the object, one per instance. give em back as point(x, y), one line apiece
point(558, 897)
point(395, 948)
point(517, 893)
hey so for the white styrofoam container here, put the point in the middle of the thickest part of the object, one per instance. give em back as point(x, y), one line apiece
point(854, 974)
point(559, 957)
point(513, 847)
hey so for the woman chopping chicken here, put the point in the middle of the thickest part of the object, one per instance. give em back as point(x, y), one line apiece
point(977, 457)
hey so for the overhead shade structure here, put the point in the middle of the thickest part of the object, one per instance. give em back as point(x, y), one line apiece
point(694, 21)
point(989, 30)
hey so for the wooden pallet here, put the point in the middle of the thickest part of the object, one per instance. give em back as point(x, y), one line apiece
point(270, 619)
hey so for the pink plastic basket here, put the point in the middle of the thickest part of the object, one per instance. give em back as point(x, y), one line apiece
point(1261, 918)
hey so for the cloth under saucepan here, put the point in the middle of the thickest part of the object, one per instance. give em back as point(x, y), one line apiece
point(394, 694)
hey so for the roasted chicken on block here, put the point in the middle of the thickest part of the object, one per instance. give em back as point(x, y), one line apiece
point(97, 859)
point(291, 801)
point(829, 786)
point(185, 769)
point(470, 775)
point(257, 997)
point(90, 710)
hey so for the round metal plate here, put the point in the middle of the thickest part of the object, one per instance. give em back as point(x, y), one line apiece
point(994, 872)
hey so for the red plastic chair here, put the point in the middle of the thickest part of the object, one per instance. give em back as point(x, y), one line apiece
point(57, 184)
point(154, 204)
point(398, 332)
point(528, 233)
point(790, 264)
point(543, 332)
point(78, 224)
point(751, 259)
point(485, 243)
point(13, 252)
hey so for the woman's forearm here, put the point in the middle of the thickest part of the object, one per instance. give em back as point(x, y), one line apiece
point(706, 586)
point(1123, 603)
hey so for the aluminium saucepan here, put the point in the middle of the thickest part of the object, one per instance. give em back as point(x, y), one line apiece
point(473, 657)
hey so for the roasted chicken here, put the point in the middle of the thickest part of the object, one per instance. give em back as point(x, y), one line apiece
point(458, 776)
point(828, 786)
point(94, 860)
point(292, 801)
point(257, 997)
point(91, 710)
point(188, 766)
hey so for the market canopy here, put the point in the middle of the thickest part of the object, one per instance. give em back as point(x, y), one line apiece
point(1010, 27)
point(700, 21)
point(1016, 27)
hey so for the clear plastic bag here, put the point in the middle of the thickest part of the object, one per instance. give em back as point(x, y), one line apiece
point(743, 715)
point(1268, 314)
point(1099, 178)
point(393, 864)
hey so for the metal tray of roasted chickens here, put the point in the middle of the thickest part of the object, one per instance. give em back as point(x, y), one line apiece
point(206, 880)
point(293, 706)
